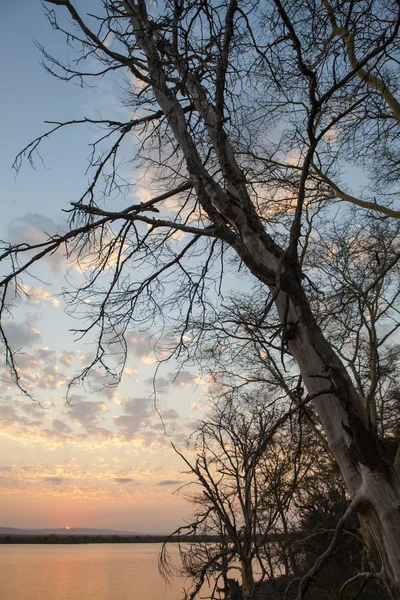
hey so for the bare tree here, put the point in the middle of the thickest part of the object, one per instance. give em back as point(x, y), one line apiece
point(248, 458)
point(358, 307)
point(268, 505)
point(247, 112)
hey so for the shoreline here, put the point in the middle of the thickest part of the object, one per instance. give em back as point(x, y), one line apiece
point(99, 539)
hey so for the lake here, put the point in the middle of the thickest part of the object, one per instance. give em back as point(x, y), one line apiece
point(85, 572)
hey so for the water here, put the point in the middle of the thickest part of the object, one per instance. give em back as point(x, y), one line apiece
point(84, 572)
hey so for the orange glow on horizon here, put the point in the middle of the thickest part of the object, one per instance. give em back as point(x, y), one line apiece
point(67, 528)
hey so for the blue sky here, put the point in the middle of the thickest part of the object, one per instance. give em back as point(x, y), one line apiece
point(103, 460)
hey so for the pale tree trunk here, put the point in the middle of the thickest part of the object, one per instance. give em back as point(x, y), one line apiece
point(349, 433)
point(351, 437)
point(367, 559)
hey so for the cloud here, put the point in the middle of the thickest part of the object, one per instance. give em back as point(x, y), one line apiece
point(51, 378)
point(128, 426)
point(33, 409)
point(34, 228)
point(46, 354)
point(54, 480)
point(130, 372)
point(22, 334)
point(123, 480)
point(137, 422)
point(95, 435)
point(108, 391)
point(139, 343)
point(184, 378)
point(181, 437)
point(149, 359)
point(60, 426)
point(11, 419)
point(169, 414)
point(67, 358)
point(29, 362)
point(30, 228)
point(85, 413)
point(192, 426)
point(25, 421)
point(39, 369)
point(8, 416)
point(61, 434)
point(139, 407)
point(108, 40)
point(167, 482)
point(38, 295)
point(145, 346)
point(174, 380)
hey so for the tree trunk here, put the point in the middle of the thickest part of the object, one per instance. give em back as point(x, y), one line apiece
point(289, 557)
point(367, 558)
point(246, 569)
point(350, 435)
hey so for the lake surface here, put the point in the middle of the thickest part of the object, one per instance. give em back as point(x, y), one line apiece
point(85, 572)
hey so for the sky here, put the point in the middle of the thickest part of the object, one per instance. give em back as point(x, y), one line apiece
point(104, 459)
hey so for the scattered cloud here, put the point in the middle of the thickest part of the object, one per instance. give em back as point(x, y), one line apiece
point(174, 380)
point(50, 377)
point(34, 228)
point(167, 482)
point(128, 426)
point(139, 407)
point(145, 346)
point(10, 417)
point(22, 334)
point(169, 414)
point(123, 480)
point(84, 412)
point(149, 359)
point(67, 358)
point(54, 480)
point(33, 409)
point(137, 416)
point(130, 372)
point(60, 426)
point(38, 295)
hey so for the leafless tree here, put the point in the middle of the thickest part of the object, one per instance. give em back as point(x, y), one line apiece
point(249, 459)
point(247, 113)
point(358, 308)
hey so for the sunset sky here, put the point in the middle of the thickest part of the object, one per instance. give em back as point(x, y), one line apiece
point(103, 460)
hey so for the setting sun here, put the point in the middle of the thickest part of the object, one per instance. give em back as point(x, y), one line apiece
point(67, 528)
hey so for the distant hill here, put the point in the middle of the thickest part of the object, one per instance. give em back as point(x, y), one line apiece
point(63, 531)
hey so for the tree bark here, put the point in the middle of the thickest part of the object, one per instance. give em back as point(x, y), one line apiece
point(350, 435)
point(246, 569)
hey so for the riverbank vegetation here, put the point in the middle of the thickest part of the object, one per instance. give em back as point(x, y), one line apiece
point(66, 538)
